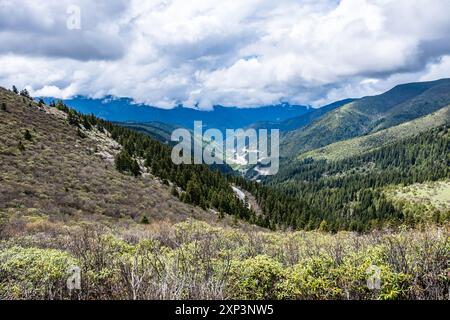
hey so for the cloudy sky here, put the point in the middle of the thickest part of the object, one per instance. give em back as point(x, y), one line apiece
point(234, 52)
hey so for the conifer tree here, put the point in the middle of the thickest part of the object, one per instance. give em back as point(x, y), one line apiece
point(27, 135)
point(25, 93)
point(20, 146)
point(144, 220)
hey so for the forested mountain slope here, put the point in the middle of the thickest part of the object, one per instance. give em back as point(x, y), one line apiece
point(360, 145)
point(349, 193)
point(368, 115)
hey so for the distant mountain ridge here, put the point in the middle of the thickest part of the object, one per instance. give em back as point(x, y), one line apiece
point(157, 130)
point(368, 115)
point(363, 144)
point(300, 121)
point(124, 110)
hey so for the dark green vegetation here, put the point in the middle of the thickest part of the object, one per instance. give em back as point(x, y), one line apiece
point(348, 194)
point(156, 130)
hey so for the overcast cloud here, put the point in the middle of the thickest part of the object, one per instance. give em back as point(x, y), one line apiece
point(236, 52)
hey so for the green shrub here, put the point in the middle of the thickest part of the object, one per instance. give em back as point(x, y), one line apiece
point(312, 279)
point(256, 278)
point(31, 273)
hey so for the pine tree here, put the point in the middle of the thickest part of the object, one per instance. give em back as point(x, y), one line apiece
point(14, 89)
point(72, 118)
point(25, 93)
point(4, 106)
point(27, 135)
point(125, 163)
point(144, 220)
point(81, 134)
point(20, 146)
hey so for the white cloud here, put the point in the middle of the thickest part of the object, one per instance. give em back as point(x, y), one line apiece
point(205, 52)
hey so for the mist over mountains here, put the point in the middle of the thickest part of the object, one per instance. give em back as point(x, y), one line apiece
point(220, 117)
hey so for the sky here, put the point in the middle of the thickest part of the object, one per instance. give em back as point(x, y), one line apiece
point(202, 53)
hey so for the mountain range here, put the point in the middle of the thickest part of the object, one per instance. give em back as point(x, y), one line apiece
point(219, 117)
point(368, 115)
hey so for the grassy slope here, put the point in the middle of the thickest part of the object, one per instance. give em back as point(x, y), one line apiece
point(300, 121)
point(63, 175)
point(436, 195)
point(422, 201)
point(360, 145)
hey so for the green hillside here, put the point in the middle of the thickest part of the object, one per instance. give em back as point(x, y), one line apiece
point(157, 130)
point(357, 146)
point(368, 115)
point(300, 121)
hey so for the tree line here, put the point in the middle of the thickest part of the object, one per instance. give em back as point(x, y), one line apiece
point(193, 184)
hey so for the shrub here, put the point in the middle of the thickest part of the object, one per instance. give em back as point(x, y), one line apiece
point(256, 278)
point(4, 106)
point(312, 279)
point(31, 273)
point(81, 134)
point(25, 93)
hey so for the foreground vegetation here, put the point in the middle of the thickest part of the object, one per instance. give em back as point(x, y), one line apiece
point(194, 260)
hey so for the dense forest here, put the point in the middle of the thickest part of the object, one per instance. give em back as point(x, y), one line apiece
point(348, 194)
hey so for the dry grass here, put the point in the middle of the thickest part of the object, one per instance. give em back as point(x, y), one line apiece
point(63, 175)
